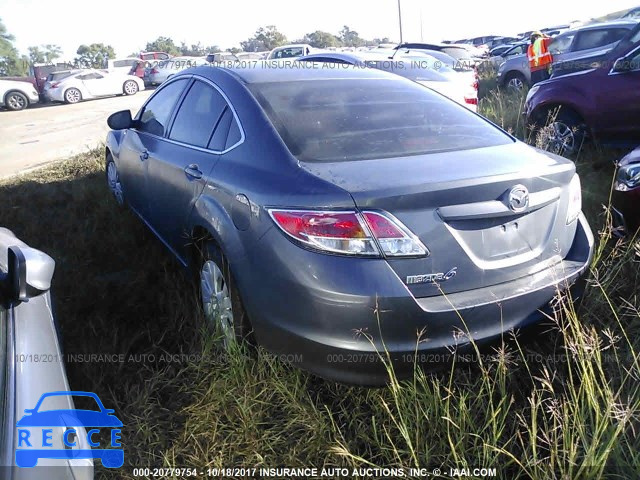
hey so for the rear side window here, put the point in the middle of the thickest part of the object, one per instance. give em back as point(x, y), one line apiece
point(234, 135)
point(592, 39)
point(157, 112)
point(336, 120)
point(219, 138)
point(198, 115)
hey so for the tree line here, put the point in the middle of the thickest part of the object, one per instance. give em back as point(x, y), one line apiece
point(95, 55)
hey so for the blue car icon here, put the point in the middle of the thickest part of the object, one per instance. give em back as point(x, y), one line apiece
point(28, 457)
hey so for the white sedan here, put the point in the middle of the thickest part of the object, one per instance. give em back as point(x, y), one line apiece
point(91, 83)
point(15, 95)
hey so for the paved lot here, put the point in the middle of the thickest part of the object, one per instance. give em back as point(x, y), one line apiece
point(45, 133)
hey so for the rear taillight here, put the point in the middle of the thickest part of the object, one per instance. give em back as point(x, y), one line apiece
point(394, 239)
point(154, 71)
point(471, 101)
point(475, 85)
point(54, 85)
point(349, 232)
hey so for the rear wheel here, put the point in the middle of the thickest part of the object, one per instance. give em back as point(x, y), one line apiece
point(515, 81)
point(223, 310)
point(564, 134)
point(72, 95)
point(16, 101)
point(130, 87)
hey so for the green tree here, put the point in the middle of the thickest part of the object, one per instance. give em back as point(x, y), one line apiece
point(350, 38)
point(163, 44)
point(36, 55)
point(11, 63)
point(94, 55)
point(51, 52)
point(264, 39)
point(47, 55)
point(320, 39)
point(234, 50)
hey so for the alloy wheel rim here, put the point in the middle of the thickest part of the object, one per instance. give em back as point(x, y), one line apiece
point(114, 182)
point(73, 96)
point(130, 88)
point(516, 84)
point(16, 102)
point(561, 138)
point(216, 302)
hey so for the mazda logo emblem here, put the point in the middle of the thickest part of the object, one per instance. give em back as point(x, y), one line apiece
point(518, 198)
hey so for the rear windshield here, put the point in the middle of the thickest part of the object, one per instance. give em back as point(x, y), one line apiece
point(358, 119)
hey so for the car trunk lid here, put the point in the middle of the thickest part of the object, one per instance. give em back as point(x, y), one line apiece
point(459, 205)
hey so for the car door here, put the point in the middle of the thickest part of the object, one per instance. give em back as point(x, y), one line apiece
point(97, 84)
point(588, 48)
point(142, 142)
point(618, 99)
point(178, 170)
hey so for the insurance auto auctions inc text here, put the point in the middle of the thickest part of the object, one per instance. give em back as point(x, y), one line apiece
point(363, 472)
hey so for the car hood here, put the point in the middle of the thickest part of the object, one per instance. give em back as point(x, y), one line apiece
point(71, 418)
point(15, 84)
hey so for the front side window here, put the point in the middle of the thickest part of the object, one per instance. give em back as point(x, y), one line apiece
point(332, 120)
point(157, 112)
point(198, 115)
point(561, 44)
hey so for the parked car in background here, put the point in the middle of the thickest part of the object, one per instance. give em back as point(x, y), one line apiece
point(122, 65)
point(28, 330)
point(16, 95)
point(459, 52)
point(290, 51)
point(90, 83)
point(150, 56)
point(581, 48)
point(165, 69)
point(422, 69)
point(575, 50)
point(626, 194)
point(38, 73)
point(219, 57)
point(511, 51)
point(633, 14)
point(602, 103)
point(249, 173)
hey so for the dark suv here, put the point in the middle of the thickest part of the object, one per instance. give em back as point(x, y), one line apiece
point(602, 102)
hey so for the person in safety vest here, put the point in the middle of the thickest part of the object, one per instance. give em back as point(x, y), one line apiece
point(540, 58)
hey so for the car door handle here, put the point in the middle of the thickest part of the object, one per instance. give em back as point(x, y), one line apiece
point(193, 171)
point(144, 155)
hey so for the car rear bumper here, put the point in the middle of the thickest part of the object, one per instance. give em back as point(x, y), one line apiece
point(339, 317)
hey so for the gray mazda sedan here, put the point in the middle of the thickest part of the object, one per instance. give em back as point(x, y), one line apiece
point(339, 216)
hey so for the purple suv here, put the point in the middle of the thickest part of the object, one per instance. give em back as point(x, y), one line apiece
point(602, 103)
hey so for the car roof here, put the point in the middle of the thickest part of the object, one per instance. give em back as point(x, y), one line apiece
point(616, 23)
point(264, 72)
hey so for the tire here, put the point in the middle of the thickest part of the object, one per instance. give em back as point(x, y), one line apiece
point(515, 81)
point(130, 87)
point(16, 101)
point(224, 312)
point(564, 133)
point(72, 95)
point(113, 180)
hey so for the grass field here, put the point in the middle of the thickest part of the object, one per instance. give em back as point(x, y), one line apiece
point(563, 404)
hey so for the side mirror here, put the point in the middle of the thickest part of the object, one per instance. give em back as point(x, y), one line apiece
point(120, 120)
point(621, 65)
point(29, 274)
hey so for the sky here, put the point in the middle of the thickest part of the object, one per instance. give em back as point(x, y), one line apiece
point(128, 25)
